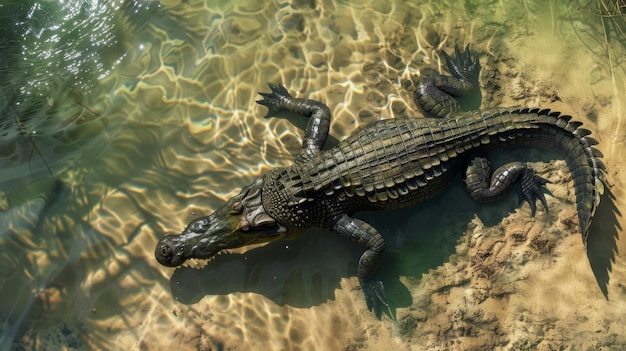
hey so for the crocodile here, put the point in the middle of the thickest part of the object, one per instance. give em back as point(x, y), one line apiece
point(388, 164)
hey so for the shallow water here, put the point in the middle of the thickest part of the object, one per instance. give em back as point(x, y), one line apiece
point(144, 113)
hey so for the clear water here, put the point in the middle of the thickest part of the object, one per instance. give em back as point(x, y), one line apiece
point(123, 120)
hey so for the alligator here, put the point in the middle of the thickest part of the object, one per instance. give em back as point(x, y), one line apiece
point(389, 164)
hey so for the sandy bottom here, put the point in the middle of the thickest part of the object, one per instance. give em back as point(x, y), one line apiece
point(77, 269)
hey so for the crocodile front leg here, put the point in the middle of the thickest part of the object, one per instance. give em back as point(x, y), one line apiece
point(319, 123)
point(485, 187)
point(365, 235)
point(437, 95)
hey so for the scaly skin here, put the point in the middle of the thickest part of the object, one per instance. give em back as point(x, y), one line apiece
point(389, 164)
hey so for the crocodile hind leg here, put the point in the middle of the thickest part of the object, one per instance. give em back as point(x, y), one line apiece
point(485, 187)
point(365, 235)
point(437, 95)
point(319, 123)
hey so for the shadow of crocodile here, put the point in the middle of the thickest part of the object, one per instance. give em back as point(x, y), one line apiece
point(306, 272)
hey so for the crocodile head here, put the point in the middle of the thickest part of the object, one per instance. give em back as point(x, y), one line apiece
point(241, 221)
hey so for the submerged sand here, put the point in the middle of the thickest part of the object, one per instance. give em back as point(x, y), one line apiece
point(462, 276)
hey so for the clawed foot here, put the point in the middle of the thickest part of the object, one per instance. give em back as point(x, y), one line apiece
point(276, 100)
point(462, 66)
point(376, 298)
point(532, 189)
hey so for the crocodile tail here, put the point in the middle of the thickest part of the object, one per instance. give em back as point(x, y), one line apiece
point(583, 159)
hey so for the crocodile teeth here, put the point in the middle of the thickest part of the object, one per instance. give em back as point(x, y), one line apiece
point(200, 263)
point(197, 263)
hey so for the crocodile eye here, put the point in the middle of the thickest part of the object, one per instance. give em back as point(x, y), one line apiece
point(237, 208)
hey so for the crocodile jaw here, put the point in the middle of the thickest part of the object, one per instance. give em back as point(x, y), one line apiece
point(241, 221)
point(174, 250)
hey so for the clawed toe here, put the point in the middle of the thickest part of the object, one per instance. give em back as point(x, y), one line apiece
point(376, 298)
point(276, 100)
point(462, 66)
point(532, 189)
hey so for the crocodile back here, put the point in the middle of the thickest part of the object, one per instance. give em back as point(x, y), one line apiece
point(400, 161)
point(388, 160)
